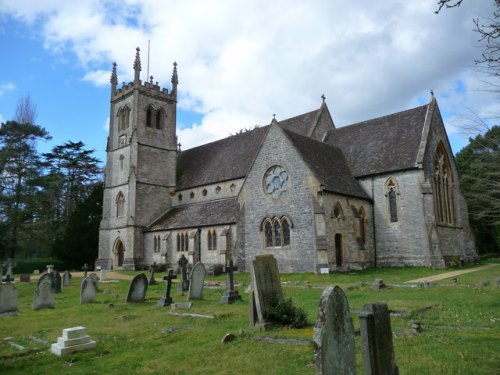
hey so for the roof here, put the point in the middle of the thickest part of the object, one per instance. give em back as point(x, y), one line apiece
point(301, 124)
point(219, 212)
point(328, 164)
point(385, 144)
point(227, 159)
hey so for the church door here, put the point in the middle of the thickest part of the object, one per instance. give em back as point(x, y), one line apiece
point(118, 261)
point(338, 250)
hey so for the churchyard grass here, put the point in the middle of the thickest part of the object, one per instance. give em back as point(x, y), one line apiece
point(460, 328)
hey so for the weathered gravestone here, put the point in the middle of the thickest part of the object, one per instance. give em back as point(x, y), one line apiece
point(25, 278)
point(8, 298)
point(266, 288)
point(333, 335)
point(45, 278)
point(378, 284)
point(230, 295)
point(184, 283)
point(196, 281)
point(56, 281)
point(103, 275)
point(87, 290)
point(95, 280)
point(44, 296)
point(137, 288)
point(66, 278)
point(376, 340)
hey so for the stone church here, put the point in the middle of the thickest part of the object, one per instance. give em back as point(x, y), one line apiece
point(383, 192)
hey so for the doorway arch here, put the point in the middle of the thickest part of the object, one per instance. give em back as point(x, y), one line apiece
point(118, 252)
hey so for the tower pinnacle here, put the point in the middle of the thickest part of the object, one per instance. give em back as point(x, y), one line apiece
point(137, 66)
point(175, 80)
point(114, 78)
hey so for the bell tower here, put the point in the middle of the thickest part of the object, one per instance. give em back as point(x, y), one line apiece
point(140, 165)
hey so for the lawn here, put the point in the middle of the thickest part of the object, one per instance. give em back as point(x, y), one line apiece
point(461, 331)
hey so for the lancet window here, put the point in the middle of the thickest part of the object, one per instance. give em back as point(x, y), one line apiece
point(212, 240)
point(276, 232)
point(443, 185)
point(391, 193)
point(120, 204)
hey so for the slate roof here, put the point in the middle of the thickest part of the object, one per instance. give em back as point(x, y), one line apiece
point(385, 144)
point(226, 159)
point(219, 212)
point(328, 164)
point(301, 124)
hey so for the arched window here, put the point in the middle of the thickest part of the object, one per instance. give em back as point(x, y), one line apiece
point(276, 231)
point(362, 224)
point(443, 183)
point(212, 240)
point(120, 204)
point(338, 212)
point(209, 240)
point(392, 192)
point(178, 242)
point(123, 118)
point(149, 117)
point(159, 118)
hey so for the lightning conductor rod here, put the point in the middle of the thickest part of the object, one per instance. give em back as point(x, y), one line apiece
point(149, 45)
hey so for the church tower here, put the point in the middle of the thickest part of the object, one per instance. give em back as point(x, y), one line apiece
point(140, 166)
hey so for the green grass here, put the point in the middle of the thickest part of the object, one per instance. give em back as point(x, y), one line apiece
point(461, 333)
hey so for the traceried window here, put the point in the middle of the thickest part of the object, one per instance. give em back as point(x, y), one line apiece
point(276, 232)
point(212, 240)
point(160, 114)
point(275, 181)
point(338, 212)
point(392, 192)
point(123, 118)
point(443, 185)
point(183, 241)
point(120, 204)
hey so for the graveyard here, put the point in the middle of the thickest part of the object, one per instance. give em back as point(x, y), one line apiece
point(140, 323)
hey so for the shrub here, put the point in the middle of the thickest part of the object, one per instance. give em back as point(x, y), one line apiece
point(287, 314)
point(28, 265)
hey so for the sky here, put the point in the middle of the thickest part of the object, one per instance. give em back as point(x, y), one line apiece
point(241, 62)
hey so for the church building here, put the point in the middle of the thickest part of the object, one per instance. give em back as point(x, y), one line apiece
point(383, 192)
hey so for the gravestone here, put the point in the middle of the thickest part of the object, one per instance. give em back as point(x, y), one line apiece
point(73, 340)
point(266, 286)
point(196, 281)
point(152, 268)
point(8, 298)
point(66, 278)
point(45, 278)
point(50, 268)
point(9, 276)
point(56, 281)
point(103, 275)
point(230, 295)
point(167, 299)
point(137, 288)
point(87, 291)
point(378, 284)
point(95, 280)
point(376, 340)
point(182, 263)
point(25, 278)
point(44, 296)
point(85, 268)
point(333, 335)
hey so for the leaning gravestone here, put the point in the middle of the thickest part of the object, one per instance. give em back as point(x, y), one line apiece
point(87, 291)
point(333, 336)
point(44, 296)
point(376, 340)
point(56, 281)
point(8, 298)
point(266, 286)
point(66, 278)
point(196, 282)
point(137, 288)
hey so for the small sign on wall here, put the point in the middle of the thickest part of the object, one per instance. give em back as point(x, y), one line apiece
point(324, 270)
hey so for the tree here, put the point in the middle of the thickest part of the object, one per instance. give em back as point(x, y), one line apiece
point(80, 241)
point(26, 112)
point(19, 168)
point(479, 167)
point(490, 33)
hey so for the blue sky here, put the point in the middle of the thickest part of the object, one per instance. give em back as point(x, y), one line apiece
point(240, 62)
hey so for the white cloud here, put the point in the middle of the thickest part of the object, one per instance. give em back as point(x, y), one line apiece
point(5, 87)
point(242, 61)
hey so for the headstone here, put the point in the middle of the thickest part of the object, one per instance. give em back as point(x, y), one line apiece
point(167, 299)
point(87, 290)
point(44, 295)
point(45, 278)
point(95, 280)
point(184, 284)
point(85, 268)
point(66, 278)
point(230, 295)
point(25, 278)
point(334, 335)
point(152, 268)
point(8, 298)
point(266, 285)
point(137, 288)
point(50, 268)
point(196, 281)
point(378, 284)
point(56, 281)
point(36, 272)
point(73, 340)
point(102, 274)
point(376, 340)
